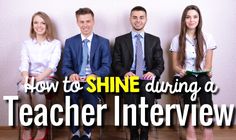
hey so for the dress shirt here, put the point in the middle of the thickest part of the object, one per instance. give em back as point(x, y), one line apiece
point(37, 57)
point(88, 68)
point(190, 57)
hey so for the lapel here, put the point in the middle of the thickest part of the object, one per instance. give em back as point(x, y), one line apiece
point(147, 47)
point(78, 49)
point(129, 43)
point(94, 46)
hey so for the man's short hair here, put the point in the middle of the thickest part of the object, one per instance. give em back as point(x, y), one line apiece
point(138, 8)
point(83, 11)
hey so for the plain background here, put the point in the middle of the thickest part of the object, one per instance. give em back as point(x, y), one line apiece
point(111, 17)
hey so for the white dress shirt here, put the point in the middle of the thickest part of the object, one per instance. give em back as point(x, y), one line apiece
point(190, 56)
point(37, 57)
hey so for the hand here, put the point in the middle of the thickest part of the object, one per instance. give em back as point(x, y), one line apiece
point(182, 73)
point(129, 74)
point(38, 78)
point(148, 76)
point(209, 74)
point(24, 80)
point(74, 77)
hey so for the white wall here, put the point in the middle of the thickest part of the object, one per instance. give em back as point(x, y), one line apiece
point(111, 17)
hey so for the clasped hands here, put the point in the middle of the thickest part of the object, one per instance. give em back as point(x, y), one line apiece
point(75, 77)
point(31, 79)
point(146, 76)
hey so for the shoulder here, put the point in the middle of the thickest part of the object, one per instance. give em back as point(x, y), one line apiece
point(174, 46)
point(55, 41)
point(207, 36)
point(124, 36)
point(209, 40)
point(152, 37)
point(100, 38)
point(28, 41)
point(175, 39)
point(73, 38)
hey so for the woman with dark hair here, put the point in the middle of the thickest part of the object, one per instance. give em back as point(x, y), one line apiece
point(39, 59)
point(192, 52)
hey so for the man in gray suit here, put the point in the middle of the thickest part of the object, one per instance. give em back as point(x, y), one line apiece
point(138, 54)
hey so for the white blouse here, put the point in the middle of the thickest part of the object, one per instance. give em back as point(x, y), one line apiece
point(190, 50)
point(36, 57)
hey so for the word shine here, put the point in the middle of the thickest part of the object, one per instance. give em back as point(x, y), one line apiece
point(109, 84)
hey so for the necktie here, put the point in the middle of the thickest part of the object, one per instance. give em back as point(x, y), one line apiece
point(85, 58)
point(139, 56)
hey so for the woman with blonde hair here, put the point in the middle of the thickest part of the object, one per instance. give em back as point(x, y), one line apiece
point(39, 59)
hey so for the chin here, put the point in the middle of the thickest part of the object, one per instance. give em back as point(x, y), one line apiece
point(138, 29)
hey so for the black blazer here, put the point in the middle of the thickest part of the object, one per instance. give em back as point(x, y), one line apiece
point(123, 55)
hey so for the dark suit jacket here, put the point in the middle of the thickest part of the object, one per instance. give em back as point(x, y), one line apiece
point(100, 57)
point(123, 55)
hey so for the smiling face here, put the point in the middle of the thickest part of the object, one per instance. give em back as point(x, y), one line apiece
point(85, 23)
point(138, 20)
point(192, 19)
point(39, 26)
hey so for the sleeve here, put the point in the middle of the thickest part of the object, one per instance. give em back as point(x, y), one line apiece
point(158, 61)
point(117, 66)
point(55, 56)
point(104, 70)
point(210, 42)
point(67, 64)
point(174, 46)
point(24, 66)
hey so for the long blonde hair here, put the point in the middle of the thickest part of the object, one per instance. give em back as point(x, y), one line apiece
point(49, 28)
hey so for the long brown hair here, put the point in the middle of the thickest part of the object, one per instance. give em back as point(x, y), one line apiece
point(199, 37)
point(49, 29)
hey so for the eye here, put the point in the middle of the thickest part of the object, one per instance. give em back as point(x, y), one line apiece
point(196, 16)
point(187, 17)
point(134, 17)
point(142, 17)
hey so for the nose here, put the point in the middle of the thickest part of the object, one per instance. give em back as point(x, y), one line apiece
point(191, 19)
point(138, 20)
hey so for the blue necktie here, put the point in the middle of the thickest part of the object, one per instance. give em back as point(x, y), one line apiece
point(139, 56)
point(85, 58)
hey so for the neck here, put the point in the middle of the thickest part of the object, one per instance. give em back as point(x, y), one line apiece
point(40, 38)
point(138, 31)
point(86, 35)
point(191, 33)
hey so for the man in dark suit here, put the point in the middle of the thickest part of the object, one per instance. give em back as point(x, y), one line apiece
point(134, 52)
point(85, 54)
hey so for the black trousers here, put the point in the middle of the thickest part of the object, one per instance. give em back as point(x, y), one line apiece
point(134, 98)
point(203, 96)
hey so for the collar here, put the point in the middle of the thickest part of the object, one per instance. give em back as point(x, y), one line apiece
point(89, 37)
point(40, 43)
point(135, 33)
